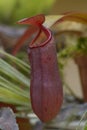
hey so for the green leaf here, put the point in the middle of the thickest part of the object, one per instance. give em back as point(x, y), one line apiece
point(85, 128)
point(12, 87)
point(14, 84)
point(17, 61)
point(11, 97)
point(11, 72)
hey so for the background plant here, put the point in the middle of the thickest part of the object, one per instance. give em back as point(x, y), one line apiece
point(13, 10)
point(13, 71)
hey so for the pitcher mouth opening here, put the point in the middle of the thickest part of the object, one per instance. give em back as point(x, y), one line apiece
point(43, 37)
point(42, 34)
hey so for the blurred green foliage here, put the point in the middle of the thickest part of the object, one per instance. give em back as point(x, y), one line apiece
point(13, 10)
